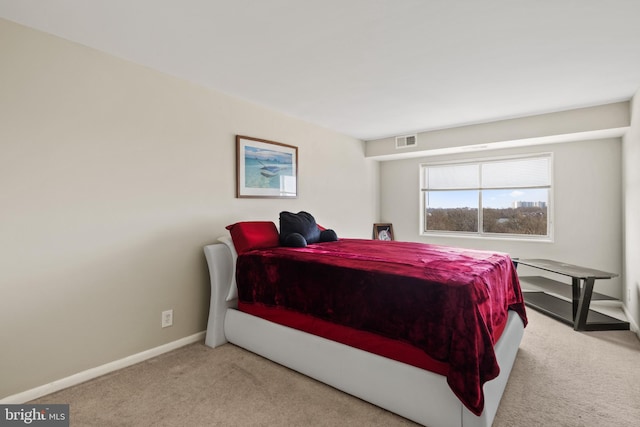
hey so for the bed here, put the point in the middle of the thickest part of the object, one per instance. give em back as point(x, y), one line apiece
point(427, 394)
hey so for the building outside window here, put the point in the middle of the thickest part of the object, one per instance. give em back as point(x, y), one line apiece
point(503, 197)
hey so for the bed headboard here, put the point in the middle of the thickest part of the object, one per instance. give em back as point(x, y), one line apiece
point(221, 272)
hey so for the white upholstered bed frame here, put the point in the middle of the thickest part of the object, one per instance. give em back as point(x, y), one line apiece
point(416, 394)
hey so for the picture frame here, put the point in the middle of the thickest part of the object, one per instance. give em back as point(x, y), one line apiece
point(383, 231)
point(266, 169)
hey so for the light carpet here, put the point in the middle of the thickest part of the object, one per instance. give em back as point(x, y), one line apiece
point(560, 378)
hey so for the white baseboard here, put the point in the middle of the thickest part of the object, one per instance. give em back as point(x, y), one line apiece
point(92, 373)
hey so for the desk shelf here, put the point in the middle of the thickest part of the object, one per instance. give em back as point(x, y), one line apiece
point(553, 298)
point(554, 287)
point(562, 310)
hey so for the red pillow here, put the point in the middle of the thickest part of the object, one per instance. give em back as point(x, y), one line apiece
point(248, 235)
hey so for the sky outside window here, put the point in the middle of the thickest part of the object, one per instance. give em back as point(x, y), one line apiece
point(496, 199)
point(500, 199)
point(452, 199)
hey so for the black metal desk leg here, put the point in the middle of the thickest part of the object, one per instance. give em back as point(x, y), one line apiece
point(580, 322)
point(575, 289)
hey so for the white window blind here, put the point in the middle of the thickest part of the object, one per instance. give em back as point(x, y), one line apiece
point(453, 177)
point(531, 172)
point(528, 172)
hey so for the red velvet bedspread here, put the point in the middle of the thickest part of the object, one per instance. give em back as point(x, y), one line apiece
point(450, 302)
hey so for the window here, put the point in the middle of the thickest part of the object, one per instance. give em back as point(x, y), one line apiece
point(498, 197)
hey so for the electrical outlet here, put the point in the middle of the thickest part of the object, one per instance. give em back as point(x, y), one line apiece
point(167, 318)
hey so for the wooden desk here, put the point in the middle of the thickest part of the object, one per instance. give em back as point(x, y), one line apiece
point(574, 310)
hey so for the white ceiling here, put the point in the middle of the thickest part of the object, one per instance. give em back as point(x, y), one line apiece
point(371, 68)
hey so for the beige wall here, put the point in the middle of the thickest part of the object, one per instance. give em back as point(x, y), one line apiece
point(631, 158)
point(112, 178)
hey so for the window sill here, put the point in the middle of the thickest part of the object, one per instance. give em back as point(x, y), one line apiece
point(511, 237)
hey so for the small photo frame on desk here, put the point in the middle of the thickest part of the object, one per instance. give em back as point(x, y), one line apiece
point(383, 231)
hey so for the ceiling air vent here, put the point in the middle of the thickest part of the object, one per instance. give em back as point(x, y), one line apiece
point(406, 141)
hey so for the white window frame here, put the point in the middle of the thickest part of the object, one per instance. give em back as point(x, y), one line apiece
point(480, 234)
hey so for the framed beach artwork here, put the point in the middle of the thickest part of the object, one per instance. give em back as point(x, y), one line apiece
point(266, 168)
point(382, 232)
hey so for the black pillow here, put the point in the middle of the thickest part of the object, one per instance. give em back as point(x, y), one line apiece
point(302, 223)
point(295, 240)
point(328, 235)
